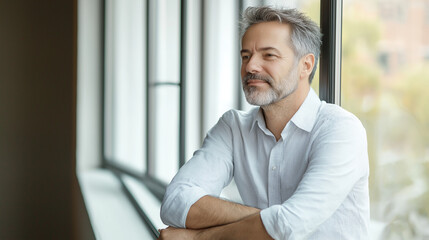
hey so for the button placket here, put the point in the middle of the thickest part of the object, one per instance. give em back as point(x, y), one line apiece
point(274, 195)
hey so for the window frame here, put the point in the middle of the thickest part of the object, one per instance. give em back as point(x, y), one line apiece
point(330, 56)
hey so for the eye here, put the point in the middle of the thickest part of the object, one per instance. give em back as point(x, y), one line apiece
point(245, 57)
point(270, 55)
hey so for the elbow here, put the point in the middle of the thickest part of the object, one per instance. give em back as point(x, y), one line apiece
point(177, 202)
point(170, 214)
point(164, 215)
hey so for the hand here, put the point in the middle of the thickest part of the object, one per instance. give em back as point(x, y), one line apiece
point(177, 234)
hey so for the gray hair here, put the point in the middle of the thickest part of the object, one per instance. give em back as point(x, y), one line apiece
point(305, 37)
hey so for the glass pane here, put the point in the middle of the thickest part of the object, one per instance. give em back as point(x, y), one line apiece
point(193, 77)
point(221, 69)
point(124, 90)
point(165, 132)
point(385, 77)
point(165, 40)
point(164, 45)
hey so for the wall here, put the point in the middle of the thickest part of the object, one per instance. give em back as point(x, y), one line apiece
point(39, 195)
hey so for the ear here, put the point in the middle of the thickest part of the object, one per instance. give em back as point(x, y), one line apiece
point(307, 65)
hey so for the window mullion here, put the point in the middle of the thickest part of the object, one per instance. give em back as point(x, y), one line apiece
point(330, 57)
point(182, 107)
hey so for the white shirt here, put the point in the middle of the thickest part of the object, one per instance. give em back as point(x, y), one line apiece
point(310, 184)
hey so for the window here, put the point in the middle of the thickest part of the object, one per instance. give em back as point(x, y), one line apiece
point(220, 75)
point(384, 82)
point(164, 86)
point(124, 121)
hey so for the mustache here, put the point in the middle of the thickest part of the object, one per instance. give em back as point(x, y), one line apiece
point(248, 77)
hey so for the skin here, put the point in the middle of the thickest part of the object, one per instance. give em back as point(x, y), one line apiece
point(222, 212)
point(279, 83)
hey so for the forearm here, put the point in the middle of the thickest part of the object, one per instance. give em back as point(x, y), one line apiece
point(210, 211)
point(248, 228)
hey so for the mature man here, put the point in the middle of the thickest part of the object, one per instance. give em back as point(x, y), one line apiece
point(300, 164)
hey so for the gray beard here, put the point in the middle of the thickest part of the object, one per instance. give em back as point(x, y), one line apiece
point(273, 94)
point(260, 98)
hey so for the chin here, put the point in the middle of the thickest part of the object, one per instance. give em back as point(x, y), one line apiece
point(259, 100)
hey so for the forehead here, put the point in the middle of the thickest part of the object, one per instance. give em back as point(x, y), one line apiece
point(267, 33)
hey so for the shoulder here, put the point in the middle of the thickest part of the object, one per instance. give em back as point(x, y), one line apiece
point(339, 136)
point(235, 117)
point(332, 117)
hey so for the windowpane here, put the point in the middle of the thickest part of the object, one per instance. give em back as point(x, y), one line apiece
point(164, 91)
point(124, 85)
point(220, 70)
point(193, 77)
point(385, 76)
point(166, 132)
point(165, 40)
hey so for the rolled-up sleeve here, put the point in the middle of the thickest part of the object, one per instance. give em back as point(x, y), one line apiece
point(338, 160)
point(206, 173)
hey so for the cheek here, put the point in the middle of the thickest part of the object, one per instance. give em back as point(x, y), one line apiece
point(279, 71)
point(273, 72)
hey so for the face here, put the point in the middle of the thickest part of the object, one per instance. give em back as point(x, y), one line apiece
point(269, 69)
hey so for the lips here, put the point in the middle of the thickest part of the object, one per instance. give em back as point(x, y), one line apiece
point(256, 82)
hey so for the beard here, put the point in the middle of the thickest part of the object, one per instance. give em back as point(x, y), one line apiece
point(275, 92)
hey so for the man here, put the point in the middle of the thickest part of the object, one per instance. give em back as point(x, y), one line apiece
point(300, 164)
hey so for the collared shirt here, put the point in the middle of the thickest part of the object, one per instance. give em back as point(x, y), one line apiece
point(310, 184)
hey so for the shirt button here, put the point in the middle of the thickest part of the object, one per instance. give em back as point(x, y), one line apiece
point(274, 168)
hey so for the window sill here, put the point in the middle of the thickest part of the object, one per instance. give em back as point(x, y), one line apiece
point(110, 211)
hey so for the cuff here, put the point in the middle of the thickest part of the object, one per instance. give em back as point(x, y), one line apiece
point(275, 222)
point(176, 205)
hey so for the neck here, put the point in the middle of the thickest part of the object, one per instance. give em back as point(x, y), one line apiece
point(278, 114)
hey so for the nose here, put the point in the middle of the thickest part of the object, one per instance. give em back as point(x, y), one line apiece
point(253, 65)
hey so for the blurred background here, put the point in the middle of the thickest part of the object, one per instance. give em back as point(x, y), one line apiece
point(385, 74)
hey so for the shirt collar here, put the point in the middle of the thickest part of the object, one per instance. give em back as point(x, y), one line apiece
point(304, 118)
point(306, 115)
point(258, 118)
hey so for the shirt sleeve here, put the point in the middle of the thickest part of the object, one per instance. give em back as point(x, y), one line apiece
point(338, 159)
point(206, 173)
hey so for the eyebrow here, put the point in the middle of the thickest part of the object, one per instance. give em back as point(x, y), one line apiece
point(262, 49)
point(244, 51)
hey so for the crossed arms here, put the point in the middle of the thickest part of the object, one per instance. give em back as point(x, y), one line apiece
point(213, 218)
